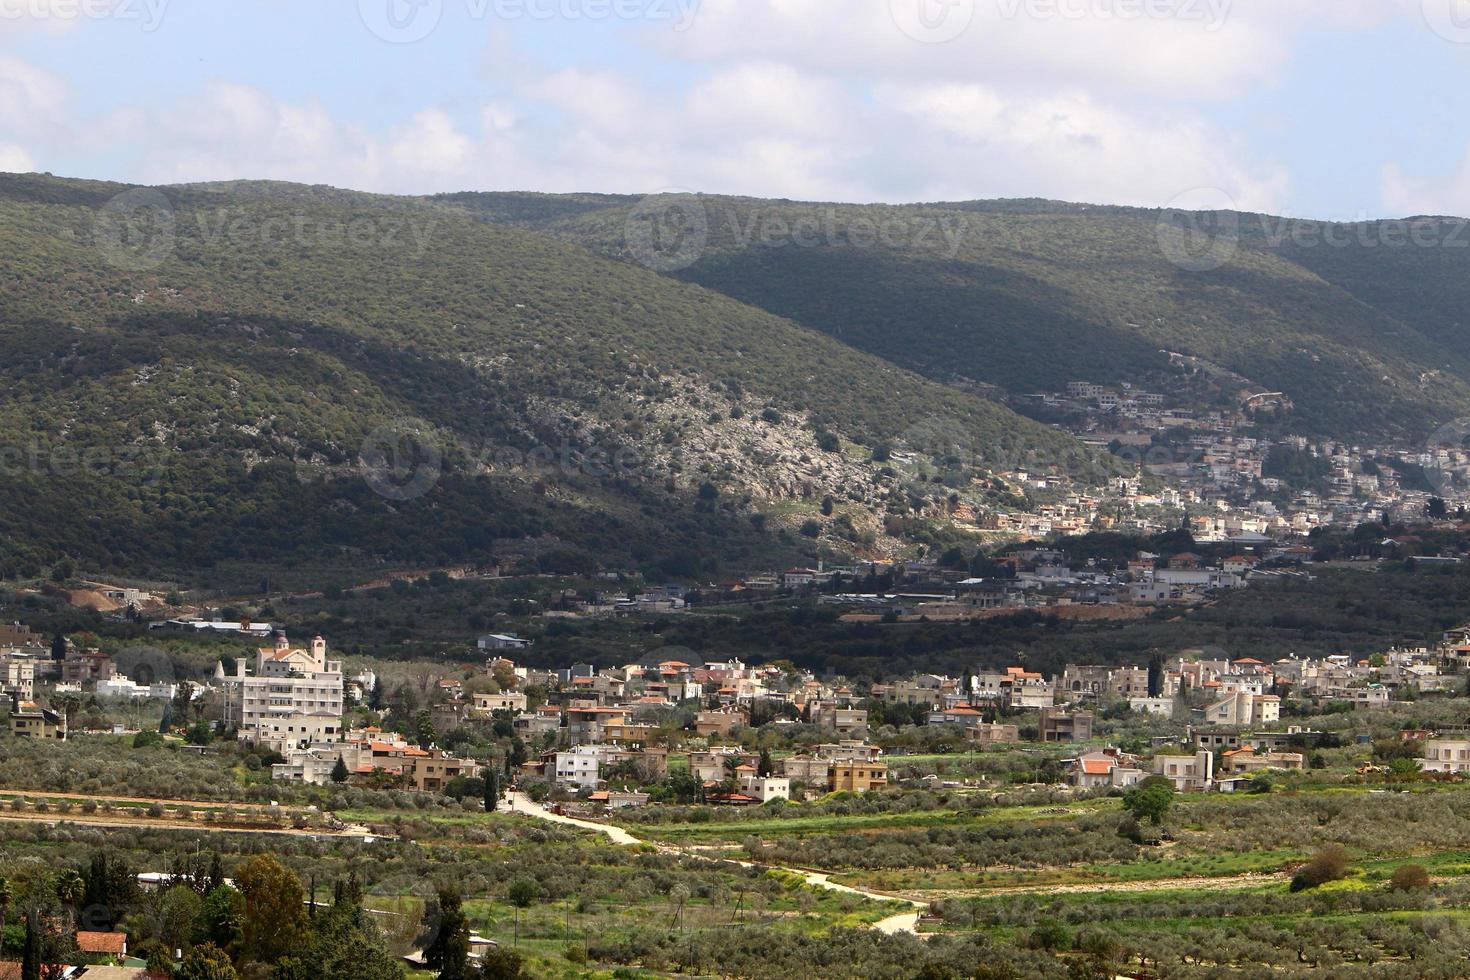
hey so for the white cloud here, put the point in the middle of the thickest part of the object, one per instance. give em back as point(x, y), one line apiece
point(15, 160)
point(1408, 194)
point(29, 97)
point(1069, 145)
point(1206, 48)
point(431, 144)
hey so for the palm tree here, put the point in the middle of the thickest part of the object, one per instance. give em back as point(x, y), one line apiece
point(70, 890)
point(67, 703)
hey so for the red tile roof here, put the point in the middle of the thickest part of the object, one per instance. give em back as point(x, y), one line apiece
point(112, 943)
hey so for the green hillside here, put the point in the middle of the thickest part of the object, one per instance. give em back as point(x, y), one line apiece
point(1367, 341)
point(195, 375)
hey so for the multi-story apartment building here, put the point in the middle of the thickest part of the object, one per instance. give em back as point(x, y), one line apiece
point(18, 677)
point(293, 699)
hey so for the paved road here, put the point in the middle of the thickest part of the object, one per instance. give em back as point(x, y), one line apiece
point(904, 922)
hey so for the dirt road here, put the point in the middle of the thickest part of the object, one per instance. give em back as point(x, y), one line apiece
point(904, 922)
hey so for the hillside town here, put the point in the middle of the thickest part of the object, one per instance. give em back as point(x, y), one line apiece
point(1220, 468)
point(607, 737)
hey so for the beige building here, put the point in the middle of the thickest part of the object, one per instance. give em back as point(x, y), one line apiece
point(993, 733)
point(32, 721)
point(1064, 726)
point(1249, 761)
point(1189, 773)
point(487, 704)
point(857, 777)
point(1449, 755)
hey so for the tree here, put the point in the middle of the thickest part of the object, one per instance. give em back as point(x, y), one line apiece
point(765, 766)
point(205, 962)
point(70, 890)
point(339, 771)
point(200, 733)
point(166, 723)
point(275, 908)
point(423, 730)
point(523, 892)
point(109, 889)
point(448, 950)
point(502, 964)
point(492, 789)
point(176, 916)
point(31, 956)
point(220, 923)
point(1150, 800)
point(6, 897)
point(1408, 878)
point(68, 703)
point(1330, 863)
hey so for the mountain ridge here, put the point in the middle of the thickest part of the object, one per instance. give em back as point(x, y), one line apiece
point(255, 337)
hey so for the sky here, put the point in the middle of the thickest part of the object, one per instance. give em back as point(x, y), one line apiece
point(1335, 109)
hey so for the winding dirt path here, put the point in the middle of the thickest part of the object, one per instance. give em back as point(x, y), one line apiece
point(903, 922)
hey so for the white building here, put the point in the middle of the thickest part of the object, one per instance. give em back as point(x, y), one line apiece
point(765, 788)
point(291, 702)
point(579, 767)
point(1163, 707)
point(1446, 755)
point(125, 687)
point(502, 641)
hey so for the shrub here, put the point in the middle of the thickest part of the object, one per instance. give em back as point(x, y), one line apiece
point(1408, 878)
point(1050, 934)
point(1330, 863)
point(523, 892)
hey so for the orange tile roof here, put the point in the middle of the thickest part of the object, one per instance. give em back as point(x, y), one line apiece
point(1097, 767)
point(113, 943)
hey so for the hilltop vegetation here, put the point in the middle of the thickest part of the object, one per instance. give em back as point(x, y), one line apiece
point(1366, 339)
point(198, 374)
